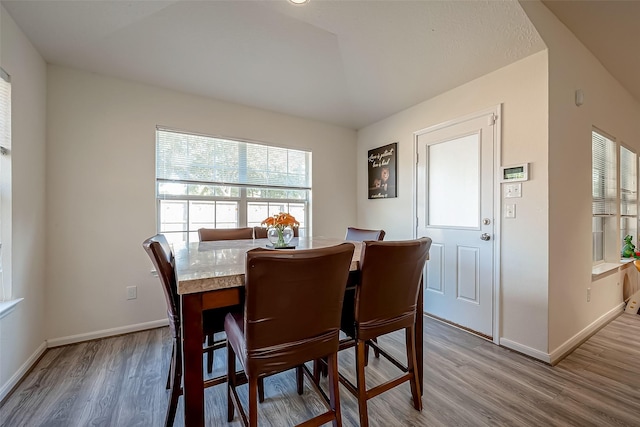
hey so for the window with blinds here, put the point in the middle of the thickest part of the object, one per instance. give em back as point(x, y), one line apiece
point(604, 175)
point(604, 191)
point(628, 194)
point(5, 186)
point(211, 182)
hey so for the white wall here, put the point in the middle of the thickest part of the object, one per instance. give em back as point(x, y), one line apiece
point(22, 331)
point(522, 90)
point(611, 108)
point(101, 194)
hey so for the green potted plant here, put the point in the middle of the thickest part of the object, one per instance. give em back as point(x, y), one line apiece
point(629, 249)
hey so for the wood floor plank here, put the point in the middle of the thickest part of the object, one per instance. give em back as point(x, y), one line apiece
point(120, 381)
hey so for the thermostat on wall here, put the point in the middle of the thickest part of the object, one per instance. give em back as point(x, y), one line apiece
point(515, 173)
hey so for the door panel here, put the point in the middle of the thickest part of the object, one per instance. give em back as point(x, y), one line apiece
point(468, 274)
point(455, 203)
point(434, 276)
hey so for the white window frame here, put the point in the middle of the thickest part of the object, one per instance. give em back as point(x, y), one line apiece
point(6, 292)
point(628, 194)
point(606, 200)
point(237, 192)
point(615, 208)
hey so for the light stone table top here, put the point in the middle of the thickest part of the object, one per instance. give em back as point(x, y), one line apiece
point(207, 266)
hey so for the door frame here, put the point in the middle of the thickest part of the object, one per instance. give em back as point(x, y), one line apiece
point(497, 197)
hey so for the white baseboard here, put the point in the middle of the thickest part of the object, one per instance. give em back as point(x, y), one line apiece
point(529, 351)
point(573, 342)
point(569, 345)
point(17, 377)
point(56, 342)
point(72, 339)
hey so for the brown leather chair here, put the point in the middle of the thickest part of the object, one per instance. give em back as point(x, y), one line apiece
point(163, 259)
point(358, 235)
point(212, 234)
point(386, 301)
point(361, 234)
point(278, 333)
point(261, 232)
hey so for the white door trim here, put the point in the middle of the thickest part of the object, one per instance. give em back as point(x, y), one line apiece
point(497, 198)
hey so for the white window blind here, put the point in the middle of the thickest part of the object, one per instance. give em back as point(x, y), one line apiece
point(5, 186)
point(197, 159)
point(604, 175)
point(628, 195)
point(628, 182)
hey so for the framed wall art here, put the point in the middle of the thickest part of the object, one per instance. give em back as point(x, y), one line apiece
point(383, 172)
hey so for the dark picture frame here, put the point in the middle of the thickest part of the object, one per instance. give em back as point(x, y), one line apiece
point(383, 171)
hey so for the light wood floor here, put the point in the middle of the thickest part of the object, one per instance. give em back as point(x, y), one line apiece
point(468, 382)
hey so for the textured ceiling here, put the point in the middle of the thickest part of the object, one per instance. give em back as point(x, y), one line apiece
point(349, 63)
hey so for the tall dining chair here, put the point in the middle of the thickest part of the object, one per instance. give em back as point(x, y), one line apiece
point(361, 234)
point(214, 234)
point(163, 259)
point(386, 301)
point(358, 235)
point(287, 322)
point(211, 234)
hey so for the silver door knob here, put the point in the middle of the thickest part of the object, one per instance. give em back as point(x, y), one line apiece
point(485, 236)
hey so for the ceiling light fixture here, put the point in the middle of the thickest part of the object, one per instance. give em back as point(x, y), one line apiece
point(299, 1)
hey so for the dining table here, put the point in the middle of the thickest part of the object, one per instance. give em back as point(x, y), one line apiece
point(211, 275)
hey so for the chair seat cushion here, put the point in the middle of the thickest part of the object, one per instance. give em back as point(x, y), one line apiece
point(276, 358)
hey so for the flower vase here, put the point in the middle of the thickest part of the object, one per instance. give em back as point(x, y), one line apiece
point(280, 237)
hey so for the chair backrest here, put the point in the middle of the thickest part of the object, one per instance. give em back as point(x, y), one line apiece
point(163, 259)
point(390, 278)
point(361, 234)
point(293, 304)
point(212, 234)
point(261, 232)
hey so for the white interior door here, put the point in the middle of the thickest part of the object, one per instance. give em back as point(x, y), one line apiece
point(455, 204)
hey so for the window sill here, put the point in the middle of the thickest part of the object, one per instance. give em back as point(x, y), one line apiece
point(604, 269)
point(7, 307)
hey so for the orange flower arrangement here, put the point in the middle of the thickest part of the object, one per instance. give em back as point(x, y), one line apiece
point(280, 221)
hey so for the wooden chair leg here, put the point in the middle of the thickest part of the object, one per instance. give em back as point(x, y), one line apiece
point(210, 341)
point(320, 368)
point(412, 367)
point(334, 392)
point(253, 402)
point(376, 353)
point(231, 382)
point(316, 371)
point(366, 354)
point(362, 389)
point(260, 390)
point(300, 379)
point(172, 363)
point(176, 383)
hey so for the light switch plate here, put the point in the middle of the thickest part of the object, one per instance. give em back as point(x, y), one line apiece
point(512, 190)
point(509, 211)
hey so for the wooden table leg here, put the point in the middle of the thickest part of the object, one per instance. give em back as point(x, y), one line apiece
point(192, 357)
point(419, 337)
